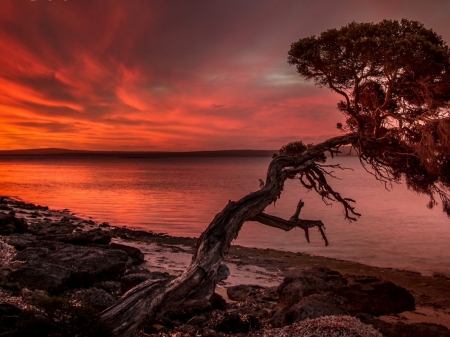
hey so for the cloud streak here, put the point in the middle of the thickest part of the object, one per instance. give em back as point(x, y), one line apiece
point(160, 75)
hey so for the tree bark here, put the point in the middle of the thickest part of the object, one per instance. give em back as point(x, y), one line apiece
point(151, 299)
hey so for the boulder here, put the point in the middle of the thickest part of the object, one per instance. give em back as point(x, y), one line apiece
point(218, 302)
point(135, 253)
point(252, 293)
point(45, 276)
point(90, 264)
point(308, 282)
point(10, 224)
point(375, 296)
point(314, 306)
point(321, 292)
point(67, 267)
point(132, 280)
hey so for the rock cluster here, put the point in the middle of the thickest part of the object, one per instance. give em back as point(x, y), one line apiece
point(62, 257)
point(323, 292)
point(70, 258)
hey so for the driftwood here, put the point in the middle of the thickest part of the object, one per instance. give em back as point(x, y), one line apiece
point(153, 298)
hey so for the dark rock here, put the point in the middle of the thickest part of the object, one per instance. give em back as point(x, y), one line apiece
point(308, 282)
point(135, 253)
point(320, 291)
point(314, 306)
point(97, 298)
point(67, 267)
point(53, 230)
point(50, 245)
point(7, 229)
point(252, 293)
point(112, 287)
point(7, 309)
point(400, 329)
point(235, 323)
point(375, 296)
point(10, 224)
point(218, 302)
point(243, 292)
point(132, 280)
point(22, 241)
point(198, 320)
point(32, 254)
point(19, 241)
point(45, 276)
point(89, 265)
point(95, 236)
point(8, 321)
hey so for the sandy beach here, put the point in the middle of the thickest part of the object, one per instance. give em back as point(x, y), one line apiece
point(251, 266)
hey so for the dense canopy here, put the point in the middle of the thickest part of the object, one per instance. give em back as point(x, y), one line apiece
point(394, 79)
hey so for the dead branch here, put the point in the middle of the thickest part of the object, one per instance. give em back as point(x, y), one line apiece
point(294, 221)
point(295, 216)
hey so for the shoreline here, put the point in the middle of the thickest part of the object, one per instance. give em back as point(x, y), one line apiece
point(262, 267)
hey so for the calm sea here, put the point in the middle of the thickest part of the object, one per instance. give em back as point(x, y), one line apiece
point(180, 196)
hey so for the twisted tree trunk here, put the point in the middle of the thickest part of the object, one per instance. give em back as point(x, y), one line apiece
point(153, 298)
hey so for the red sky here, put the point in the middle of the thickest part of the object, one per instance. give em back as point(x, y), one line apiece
point(157, 75)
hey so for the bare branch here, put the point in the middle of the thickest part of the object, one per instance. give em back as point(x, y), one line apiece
point(297, 211)
point(287, 225)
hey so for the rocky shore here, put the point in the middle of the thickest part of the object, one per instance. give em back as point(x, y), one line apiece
point(58, 271)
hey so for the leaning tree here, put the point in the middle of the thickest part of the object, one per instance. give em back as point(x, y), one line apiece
point(394, 81)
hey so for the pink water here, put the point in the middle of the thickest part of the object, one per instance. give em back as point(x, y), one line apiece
point(180, 196)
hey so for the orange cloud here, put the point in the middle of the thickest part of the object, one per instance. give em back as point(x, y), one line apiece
point(147, 75)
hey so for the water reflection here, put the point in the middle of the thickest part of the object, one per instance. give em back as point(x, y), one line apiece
point(180, 196)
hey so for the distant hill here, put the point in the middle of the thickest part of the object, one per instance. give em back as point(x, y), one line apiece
point(55, 152)
point(135, 154)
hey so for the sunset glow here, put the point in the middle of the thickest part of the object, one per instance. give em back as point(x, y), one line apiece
point(171, 76)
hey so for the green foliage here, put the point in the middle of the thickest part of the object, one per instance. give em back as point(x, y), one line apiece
point(394, 80)
point(295, 149)
point(59, 317)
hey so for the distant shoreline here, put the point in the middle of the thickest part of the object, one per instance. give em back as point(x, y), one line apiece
point(135, 154)
point(54, 152)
